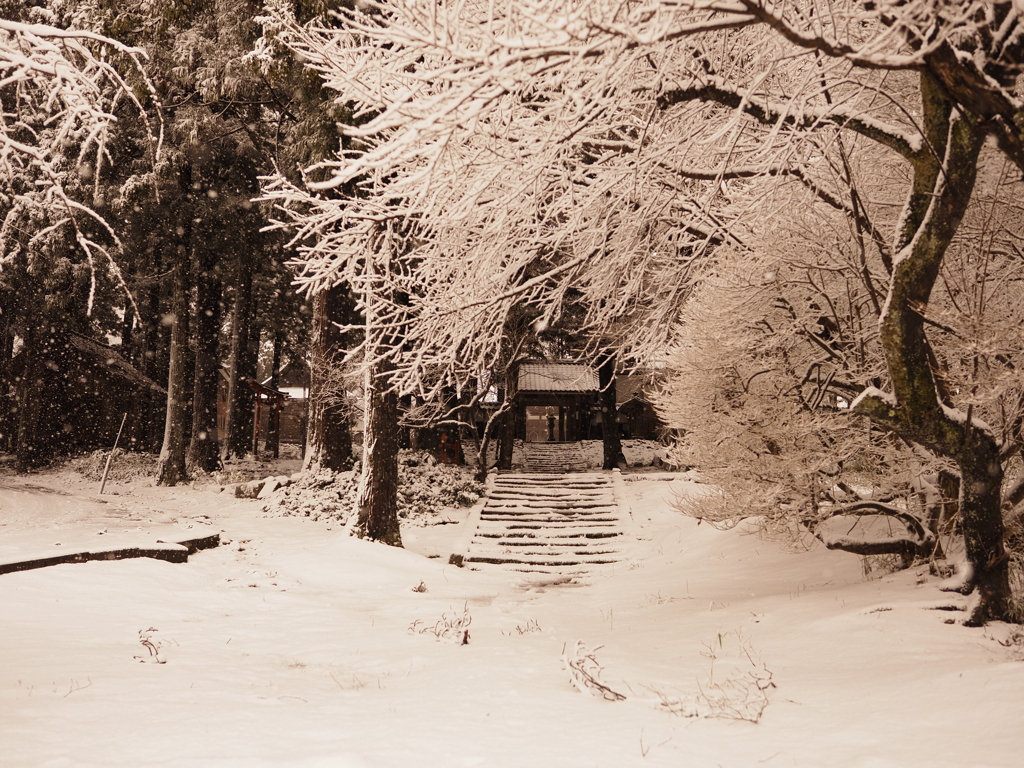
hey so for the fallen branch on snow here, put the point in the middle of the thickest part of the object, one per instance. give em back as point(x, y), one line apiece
point(918, 542)
point(585, 672)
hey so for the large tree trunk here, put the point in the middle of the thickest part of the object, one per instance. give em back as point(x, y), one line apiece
point(28, 397)
point(273, 442)
point(171, 466)
point(495, 420)
point(378, 488)
point(507, 439)
point(204, 446)
point(144, 434)
point(238, 416)
point(127, 330)
point(613, 456)
point(6, 382)
point(944, 177)
point(248, 369)
point(328, 434)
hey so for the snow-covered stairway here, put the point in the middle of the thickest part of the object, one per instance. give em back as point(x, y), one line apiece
point(549, 523)
point(554, 458)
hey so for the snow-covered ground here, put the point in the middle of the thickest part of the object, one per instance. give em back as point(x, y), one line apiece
point(293, 645)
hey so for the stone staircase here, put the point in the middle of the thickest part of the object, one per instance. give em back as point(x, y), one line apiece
point(554, 458)
point(549, 524)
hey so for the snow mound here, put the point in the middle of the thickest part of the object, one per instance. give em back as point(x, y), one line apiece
point(425, 488)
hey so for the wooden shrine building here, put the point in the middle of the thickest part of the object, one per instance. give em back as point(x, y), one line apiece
point(556, 402)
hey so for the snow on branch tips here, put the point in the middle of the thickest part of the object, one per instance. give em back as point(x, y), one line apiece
point(64, 86)
point(533, 145)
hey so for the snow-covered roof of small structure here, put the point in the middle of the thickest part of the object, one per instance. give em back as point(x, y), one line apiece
point(557, 377)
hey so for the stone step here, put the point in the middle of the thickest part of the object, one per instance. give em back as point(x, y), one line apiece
point(552, 478)
point(510, 535)
point(531, 509)
point(497, 515)
point(554, 457)
point(593, 491)
point(543, 550)
point(551, 524)
point(604, 499)
point(541, 562)
point(554, 523)
point(546, 557)
point(535, 548)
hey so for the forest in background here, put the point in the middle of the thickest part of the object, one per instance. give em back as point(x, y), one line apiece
point(137, 225)
point(808, 218)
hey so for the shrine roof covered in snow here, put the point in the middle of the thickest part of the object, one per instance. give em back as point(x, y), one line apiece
point(557, 377)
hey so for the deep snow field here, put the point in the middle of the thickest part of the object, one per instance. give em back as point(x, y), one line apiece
point(294, 645)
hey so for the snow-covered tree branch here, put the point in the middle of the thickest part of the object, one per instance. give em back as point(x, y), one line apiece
point(59, 91)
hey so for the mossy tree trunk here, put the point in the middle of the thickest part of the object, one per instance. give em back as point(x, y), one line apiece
point(495, 421)
point(944, 177)
point(143, 433)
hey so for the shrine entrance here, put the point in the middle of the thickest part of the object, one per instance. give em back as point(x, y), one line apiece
point(556, 402)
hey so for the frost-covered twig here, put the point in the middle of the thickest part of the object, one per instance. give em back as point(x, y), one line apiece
point(585, 671)
point(152, 647)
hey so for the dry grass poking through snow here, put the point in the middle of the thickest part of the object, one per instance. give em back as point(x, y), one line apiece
point(736, 687)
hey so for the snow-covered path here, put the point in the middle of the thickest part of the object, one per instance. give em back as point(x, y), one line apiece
point(550, 523)
point(294, 645)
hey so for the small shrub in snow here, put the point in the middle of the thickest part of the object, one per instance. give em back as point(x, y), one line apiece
point(424, 486)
